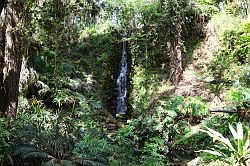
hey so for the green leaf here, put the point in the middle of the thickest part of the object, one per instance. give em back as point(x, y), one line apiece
point(216, 153)
point(246, 146)
point(240, 131)
point(233, 131)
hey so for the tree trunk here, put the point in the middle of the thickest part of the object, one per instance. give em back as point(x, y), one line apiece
point(175, 48)
point(10, 58)
point(2, 37)
point(176, 60)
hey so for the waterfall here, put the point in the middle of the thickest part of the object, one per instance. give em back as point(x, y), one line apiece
point(122, 88)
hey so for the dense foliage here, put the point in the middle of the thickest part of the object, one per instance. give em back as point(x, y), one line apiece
point(71, 53)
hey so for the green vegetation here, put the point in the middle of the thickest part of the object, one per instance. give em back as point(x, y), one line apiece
point(188, 79)
point(234, 152)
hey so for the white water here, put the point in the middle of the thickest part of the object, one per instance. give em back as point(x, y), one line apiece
point(122, 81)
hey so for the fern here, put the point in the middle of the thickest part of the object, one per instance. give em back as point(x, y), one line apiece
point(55, 162)
point(56, 149)
point(89, 162)
point(29, 151)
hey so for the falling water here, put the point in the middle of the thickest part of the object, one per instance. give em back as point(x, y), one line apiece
point(122, 80)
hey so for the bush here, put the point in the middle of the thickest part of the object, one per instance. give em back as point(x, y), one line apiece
point(191, 140)
point(93, 149)
point(234, 56)
point(234, 9)
point(5, 143)
point(208, 6)
point(237, 42)
point(149, 138)
point(196, 107)
point(235, 151)
point(192, 108)
point(238, 97)
point(57, 137)
point(245, 77)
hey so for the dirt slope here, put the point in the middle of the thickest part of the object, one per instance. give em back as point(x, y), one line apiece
point(192, 83)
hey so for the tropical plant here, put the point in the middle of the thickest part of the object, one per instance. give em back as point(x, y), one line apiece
point(92, 149)
point(245, 76)
point(208, 6)
point(42, 138)
point(235, 151)
point(47, 137)
point(5, 144)
point(196, 107)
point(216, 89)
point(239, 97)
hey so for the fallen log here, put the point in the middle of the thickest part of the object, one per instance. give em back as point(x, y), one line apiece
point(242, 113)
point(224, 111)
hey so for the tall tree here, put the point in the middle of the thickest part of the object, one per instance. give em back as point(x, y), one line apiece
point(175, 42)
point(177, 22)
point(2, 4)
point(172, 20)
point(10, 56)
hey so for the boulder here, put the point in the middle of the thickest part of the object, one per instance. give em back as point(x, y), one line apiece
point(79, 85)
point(194, 162)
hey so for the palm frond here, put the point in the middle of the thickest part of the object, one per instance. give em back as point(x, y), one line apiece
point(67, 163)
point(36, 154)
point(97, 161)
point(29, 151)
point(49, 163)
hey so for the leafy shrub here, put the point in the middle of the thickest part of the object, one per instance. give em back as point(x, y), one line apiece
point(196, 107)
point(245, 77)
point(208, 6)
point(152, 149)
point(44, 136)
point(140, 92)
point(220, 64)
point(190, 107)
point(235, 151)
point(92, 149)
point(235, 52)
point(220, 122)
point(144, 139)
point(237, 42)
point(238, 97)
point(233, 8)
point(150, 137)
point(5, 143)
point(56, 137)
point(216, 88)
point(191, 140)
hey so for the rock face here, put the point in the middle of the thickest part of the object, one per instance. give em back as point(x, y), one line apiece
point(79, 85)
point(37, 89)
point(27, 75)
point(194, 162)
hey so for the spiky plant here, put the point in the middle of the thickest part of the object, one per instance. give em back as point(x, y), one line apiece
point(53, 149)
point(49, 140)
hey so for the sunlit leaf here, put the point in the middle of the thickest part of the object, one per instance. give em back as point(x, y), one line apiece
point(240, 131)
point(234, 133)
point(246, 146)
point(211, 152)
